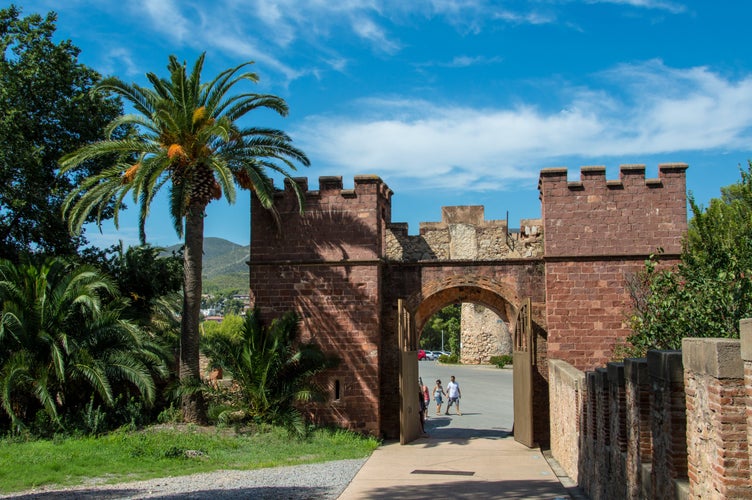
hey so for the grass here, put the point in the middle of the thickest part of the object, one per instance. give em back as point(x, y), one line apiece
point(166, 451)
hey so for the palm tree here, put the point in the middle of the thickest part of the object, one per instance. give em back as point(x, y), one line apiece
point(272, 370)
point(60, 341)
point(186, 137)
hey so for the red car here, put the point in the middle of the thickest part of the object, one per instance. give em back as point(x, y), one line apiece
point(421, 354)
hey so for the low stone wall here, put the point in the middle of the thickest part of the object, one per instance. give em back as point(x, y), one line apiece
point(676, 424)
point(566, 391)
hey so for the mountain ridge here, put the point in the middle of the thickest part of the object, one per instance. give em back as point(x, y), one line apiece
point(224, 264)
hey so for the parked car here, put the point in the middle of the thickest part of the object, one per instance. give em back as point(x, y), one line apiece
point(421, 354)
point(432, 355)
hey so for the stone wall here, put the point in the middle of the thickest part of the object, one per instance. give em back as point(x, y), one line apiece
point(464, 234)
point(567, 393)
point(483, 335)
point(679, 422)
point(717, 430)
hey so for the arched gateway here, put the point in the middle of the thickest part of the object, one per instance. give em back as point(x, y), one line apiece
point(360, 282)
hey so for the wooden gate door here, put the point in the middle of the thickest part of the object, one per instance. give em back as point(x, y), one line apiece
point(408, 376)
point(523, 363)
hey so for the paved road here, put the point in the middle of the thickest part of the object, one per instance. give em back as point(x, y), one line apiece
point(465, 457)
point(486, 403)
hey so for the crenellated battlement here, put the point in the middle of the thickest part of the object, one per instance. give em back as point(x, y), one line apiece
point(630, 175)
point(628, 216)
point(337, 224)
point(330, 185)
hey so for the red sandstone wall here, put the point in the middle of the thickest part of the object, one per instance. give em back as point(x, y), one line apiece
point(324, 265)
point(628, 216)
point(586, 303)
point(596, 233)
point(338, 224)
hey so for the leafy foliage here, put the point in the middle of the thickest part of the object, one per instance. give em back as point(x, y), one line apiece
point(451, 359)
point(61, 344)
point(230, 326)
point(152, 282)
point(46, 112)
point(501, 361)
point(448, 321)
point(186, 138)
point(711, 288)
point(272, 370)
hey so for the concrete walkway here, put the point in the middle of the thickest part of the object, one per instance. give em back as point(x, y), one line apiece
point(469, 456)
point(431, 468)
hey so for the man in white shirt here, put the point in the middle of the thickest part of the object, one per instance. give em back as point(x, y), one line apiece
point(454, 395)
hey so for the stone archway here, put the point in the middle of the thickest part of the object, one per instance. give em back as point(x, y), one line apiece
point(495, 295)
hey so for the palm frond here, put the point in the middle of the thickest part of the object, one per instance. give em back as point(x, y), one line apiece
point(218, 88)
point(125, 120)
point(94, 372)
point(142, 99)
point(240, 105)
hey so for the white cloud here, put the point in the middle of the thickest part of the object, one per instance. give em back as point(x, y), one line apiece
point(120, 61)
point(464, 61)
point(657, 110)
point(166, 16)
point(366, 29)
point(673, 7)
point(534, 18)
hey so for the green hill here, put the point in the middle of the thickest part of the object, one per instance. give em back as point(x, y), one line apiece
point(225, 265)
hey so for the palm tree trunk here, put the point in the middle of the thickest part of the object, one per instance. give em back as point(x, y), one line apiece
point(194, 409)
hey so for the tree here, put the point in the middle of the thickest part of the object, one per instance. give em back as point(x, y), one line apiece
point(187, 138)
point(272, 370)
point(710, 289)
point(46, 113)
point(61, 343)
point(152, 283)
point(445, 323)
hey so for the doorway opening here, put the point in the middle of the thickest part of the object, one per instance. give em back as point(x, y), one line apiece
point(470, 335)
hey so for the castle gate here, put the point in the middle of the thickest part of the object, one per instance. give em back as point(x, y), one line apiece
point(346, 268)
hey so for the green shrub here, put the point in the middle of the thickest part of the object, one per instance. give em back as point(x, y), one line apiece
point(273, 373)
point(501, 361)
point(452, 359)
point(170, 415)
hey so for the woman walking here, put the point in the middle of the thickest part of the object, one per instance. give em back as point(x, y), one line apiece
point(438, 396)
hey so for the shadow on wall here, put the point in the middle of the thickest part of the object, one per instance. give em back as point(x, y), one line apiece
point(325, 266)
point(403, 247)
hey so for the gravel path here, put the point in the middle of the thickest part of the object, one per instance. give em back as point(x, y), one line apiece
point(301, 482)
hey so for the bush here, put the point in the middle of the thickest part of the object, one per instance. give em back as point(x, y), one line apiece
point(710, 290)
point(452, 359)
point(273, 373)
point(501, 361)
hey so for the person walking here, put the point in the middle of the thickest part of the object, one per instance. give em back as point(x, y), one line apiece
point(438, 396)
point(422, 411)
point(426, 394)
point(453, 394)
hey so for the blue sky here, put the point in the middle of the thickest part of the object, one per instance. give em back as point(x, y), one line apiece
point(453, 102)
